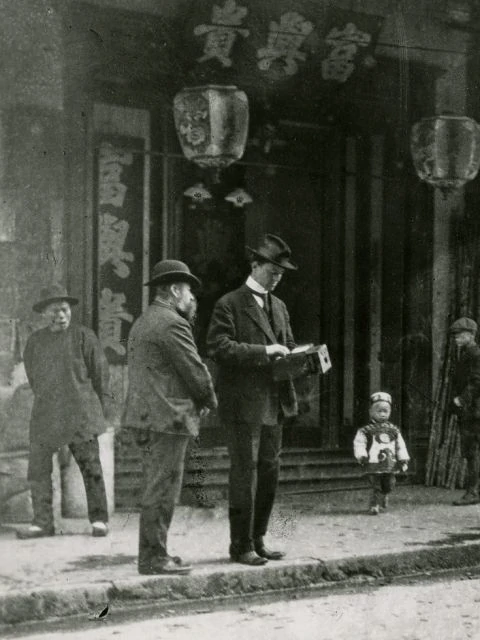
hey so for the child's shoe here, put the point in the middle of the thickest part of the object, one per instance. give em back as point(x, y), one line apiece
point(374, 510)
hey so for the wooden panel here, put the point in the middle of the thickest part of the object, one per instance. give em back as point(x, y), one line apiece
point(362, 281)
point(417, 352)
point(394, 220)
point(332, 299)
point(349, 280)
point(376, 189)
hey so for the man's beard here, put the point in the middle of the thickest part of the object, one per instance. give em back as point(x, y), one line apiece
point(190, 314)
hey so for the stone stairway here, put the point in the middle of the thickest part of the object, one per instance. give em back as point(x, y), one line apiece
point(302, 471)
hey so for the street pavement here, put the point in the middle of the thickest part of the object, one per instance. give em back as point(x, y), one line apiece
point(446, 610)
point(327, 537)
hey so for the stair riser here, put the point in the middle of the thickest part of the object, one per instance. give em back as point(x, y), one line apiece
point(215, 493)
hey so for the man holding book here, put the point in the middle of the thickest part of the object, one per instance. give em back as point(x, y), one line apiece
point(250, 328)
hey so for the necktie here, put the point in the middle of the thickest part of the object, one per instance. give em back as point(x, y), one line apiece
point(267, 306)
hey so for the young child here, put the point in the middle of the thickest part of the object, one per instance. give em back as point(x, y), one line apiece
point(380, 448)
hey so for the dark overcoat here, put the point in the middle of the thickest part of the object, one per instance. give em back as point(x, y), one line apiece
point(466, 384)
point(237, 336)
point(69, 377)
point(168, 382)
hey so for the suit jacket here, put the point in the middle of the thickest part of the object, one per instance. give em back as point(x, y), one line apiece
point(237, 336)
point(466, 382)
point(168, 382)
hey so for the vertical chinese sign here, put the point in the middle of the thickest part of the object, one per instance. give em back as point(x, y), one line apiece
point(122, 169)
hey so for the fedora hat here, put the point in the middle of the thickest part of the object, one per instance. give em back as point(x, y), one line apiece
point(273, 249)
point(168, 271)
point(53, 293)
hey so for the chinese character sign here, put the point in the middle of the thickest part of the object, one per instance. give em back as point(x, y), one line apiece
point(221, 32)
point(273, 41)
point(344, 44)
point(120, 241)
point(284, 42)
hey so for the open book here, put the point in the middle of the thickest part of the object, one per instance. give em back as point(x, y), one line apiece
point(304, 360)
point(301, 348)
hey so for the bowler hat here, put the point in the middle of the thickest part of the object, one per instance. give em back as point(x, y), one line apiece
point(168, 271)
point(273, 249)
point(464, 324)
point(53, 293)
point(380, 396)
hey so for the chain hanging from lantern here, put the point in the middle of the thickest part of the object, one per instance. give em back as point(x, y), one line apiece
point(212, 125)
point(446, 151)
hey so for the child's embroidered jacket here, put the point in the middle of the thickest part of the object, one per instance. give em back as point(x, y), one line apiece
point(383, 445)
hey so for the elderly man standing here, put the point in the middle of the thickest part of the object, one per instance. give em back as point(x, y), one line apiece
point(466, 403)
point(249, 328)
point(169, 389)
point(68, 373)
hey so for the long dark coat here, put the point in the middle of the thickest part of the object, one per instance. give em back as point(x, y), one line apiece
point(466, 385)
point(168, 382)
point(69, 376)
point(237, 336)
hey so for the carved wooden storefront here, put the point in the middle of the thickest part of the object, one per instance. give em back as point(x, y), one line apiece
point(326, 167)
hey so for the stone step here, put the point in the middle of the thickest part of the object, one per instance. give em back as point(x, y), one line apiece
point(130, 500)
point(219, 456)
point(132, 468)
point(211, 472)
point(221, 453)
point(302, 470)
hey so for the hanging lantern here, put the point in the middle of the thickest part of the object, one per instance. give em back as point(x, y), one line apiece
point(446, 151)
point(212, 124)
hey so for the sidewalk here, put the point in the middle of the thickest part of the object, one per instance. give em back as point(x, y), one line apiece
point(326, 536)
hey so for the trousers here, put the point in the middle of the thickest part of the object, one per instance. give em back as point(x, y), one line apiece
point(254, 451)
point(470, 447)
point(382, 484)
point(163, 457)
point(86, 454)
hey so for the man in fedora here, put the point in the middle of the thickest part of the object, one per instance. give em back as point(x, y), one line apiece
point(169, 389)
point(68, 373)
point(466, 403)
point(248, 329)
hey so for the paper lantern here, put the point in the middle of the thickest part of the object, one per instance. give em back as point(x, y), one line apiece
point(446, 150)
point(212, 124)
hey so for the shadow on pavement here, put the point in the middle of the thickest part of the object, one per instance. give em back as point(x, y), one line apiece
point(451, 539)
point(100, 561)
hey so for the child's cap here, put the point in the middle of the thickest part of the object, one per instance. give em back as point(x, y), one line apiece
point(380, 396)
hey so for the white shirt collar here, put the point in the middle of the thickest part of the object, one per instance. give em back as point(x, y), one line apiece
point(253, 284)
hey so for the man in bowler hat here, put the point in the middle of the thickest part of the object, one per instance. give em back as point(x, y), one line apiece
point(466, 403)
point(249, 328)
point(68, 373)
point(169, 389)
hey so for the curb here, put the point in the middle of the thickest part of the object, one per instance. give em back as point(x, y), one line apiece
point(63, 602)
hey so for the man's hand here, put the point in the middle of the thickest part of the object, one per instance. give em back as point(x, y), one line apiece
point(404, 466)
point(277, 350)
point(457, 402)
point(204, 412)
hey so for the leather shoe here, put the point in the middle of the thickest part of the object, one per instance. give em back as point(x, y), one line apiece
point(269, 554)
point(249, 558)
point(165, 566)
point(468, 498)
point(34, 532)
